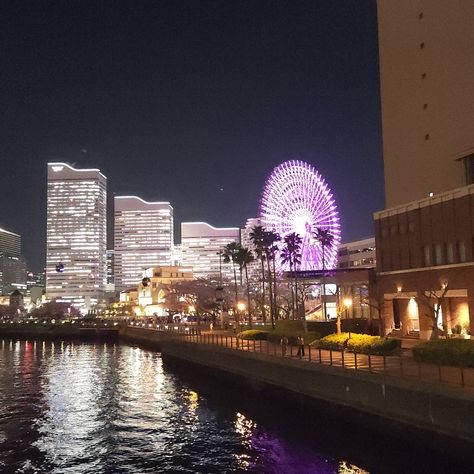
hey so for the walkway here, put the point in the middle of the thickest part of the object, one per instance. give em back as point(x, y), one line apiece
point(403, 366)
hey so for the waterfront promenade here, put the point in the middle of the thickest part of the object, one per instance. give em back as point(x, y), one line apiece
point(398, 366)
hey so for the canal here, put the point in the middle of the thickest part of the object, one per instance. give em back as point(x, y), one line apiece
point(76, 407)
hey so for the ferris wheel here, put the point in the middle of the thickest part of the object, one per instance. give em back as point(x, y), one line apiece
point(296, 198)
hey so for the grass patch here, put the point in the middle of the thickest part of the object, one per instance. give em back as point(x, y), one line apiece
point(457, 352)
point(362, 343)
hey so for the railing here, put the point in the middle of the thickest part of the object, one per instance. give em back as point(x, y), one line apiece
point(400, 366)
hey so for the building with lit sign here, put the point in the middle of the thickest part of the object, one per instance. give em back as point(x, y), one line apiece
point(143, 238)
point(76, 235)
point(200, 247)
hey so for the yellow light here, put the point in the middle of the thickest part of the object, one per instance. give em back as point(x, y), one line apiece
point(192, 309)
point(347, 302)
point(241, 306)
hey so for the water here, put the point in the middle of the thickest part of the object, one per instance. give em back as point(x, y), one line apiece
point(69, 407)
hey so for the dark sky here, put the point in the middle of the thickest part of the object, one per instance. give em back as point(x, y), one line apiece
point(176, 100)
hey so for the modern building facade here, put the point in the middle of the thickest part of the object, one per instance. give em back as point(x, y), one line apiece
point(200, 247)
point(76, 235)
point(424, 237)
point(357, 254)
point(12, 266)
point(143, 238)
point(427, 76)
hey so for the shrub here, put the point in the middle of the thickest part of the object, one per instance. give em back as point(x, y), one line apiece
point(309, 337)
point(363, 343)
point(289, 325)
point(458, 352)
point(253, 334)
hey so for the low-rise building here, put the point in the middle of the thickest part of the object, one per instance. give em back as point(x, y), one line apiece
point(357, 254)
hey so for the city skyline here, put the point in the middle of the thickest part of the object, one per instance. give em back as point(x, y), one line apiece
point(177, 113)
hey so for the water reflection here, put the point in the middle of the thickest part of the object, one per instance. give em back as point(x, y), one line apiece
point(105, 408)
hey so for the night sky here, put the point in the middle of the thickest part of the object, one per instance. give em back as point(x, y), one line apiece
point(193, 102)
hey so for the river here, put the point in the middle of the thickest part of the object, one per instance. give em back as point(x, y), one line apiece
point(78, 407)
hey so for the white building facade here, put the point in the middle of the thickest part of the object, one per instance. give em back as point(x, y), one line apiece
point(76, 235)
point(143, 238)
point(200, 247)
point(357, 254)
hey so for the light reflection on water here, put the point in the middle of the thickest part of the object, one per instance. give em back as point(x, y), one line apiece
point(69, 407)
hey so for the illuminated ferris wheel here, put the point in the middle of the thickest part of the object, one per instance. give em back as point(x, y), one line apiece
point(296, 198)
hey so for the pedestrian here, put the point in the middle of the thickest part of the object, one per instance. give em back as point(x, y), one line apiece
point(284, 345)
point(300, 352)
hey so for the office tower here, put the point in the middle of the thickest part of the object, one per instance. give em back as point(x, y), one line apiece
point(424, 237)
point(76, 235)
point(143, 238)
point(357, 254)
point(12, 266)
point(426, 53)
point(200, 247)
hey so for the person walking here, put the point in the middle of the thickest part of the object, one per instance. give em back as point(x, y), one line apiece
point(284, 345)
point(300, 352)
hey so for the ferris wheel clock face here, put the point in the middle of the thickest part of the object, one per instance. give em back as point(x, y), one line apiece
point(296, 198)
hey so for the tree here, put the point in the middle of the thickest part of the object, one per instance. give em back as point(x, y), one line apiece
point(257, 236)
point(270, 239)
point(55, 310)
point(230, 253)
point(244, 258)
point(291, 255)
point(325, 239)
point(433, 299)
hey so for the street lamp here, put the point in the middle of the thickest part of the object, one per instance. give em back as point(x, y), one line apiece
point(347, 304)
point(240, 308)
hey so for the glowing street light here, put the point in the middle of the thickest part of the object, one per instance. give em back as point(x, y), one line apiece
point(241, 306)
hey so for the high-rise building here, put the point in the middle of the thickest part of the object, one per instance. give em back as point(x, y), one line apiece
point(424, 237)
point(76, 235)
point(143, 238)
point(357, 254)
point(200, 247)
point(12, 266)
point(426, 53)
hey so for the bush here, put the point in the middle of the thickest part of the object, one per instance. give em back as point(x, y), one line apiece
point(289, 325)
point(253, 334)
point(309, 337)
point(362, 343)
point(458, 352)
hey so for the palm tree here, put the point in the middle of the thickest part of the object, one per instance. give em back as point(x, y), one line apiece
point(230, 253)
point(243, 259)
point(325, 238)
point(271, 249)
point(291, 255)
point(257, 235)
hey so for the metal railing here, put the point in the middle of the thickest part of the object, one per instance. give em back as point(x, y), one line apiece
point(400, 366)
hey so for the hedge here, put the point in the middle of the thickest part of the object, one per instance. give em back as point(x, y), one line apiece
point(362, 343)
point(457, 352)
point(253, 334)
point(292, 336)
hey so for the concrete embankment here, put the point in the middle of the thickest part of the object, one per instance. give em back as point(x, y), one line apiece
point(409, 407)
point(58, 331)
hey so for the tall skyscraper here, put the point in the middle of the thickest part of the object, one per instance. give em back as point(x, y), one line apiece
point(76, 235)
point(143, 238)
point(200, 244)
point(12, 266)
point(426, 53)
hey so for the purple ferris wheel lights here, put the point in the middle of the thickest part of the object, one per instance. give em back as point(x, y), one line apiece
point(296, 198)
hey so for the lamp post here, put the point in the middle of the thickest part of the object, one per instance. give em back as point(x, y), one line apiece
point(347, 304)
point(240, 308)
